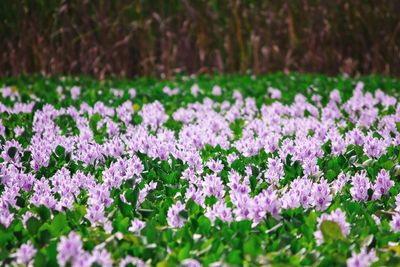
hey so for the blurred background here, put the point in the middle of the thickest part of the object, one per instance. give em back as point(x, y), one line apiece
point(163, 37)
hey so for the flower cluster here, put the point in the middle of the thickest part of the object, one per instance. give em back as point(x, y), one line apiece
point(226, 161)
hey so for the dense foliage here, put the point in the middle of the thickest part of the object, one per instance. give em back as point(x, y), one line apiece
point(283, 170)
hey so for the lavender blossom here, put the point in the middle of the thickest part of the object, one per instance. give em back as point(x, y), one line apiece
point(25, 253)
point(362, 259)
point(360, 185)
point(174, 218)
point(382, 184)
point(136, 225)
point(395, 223)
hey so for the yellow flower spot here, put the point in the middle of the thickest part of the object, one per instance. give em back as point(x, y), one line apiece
point(135, 107)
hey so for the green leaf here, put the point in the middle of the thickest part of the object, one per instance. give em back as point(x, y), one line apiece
point(12, 151)
point(184, 253)
point(234, 257)
point(327, 148)
point(43, 212)
point(125, 208)
point(353, 207)
point(204, 224)
point(59, 224)
point(184, 214)
point(60, 151)
point(238, 165)
point(93, 121)
point(331, 231)
point(244, 226)
point(44, 236)
point(330, 175)
point(251, 247)
point(150, 232)
point(132, 196)
point(5, 236)
point(40, 260)
point(123, 224)
point(33, 225)
point(388, 165)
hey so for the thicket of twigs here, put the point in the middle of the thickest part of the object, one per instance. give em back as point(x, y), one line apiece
point(129, 38)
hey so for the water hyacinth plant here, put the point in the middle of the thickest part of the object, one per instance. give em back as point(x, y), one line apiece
point(199, 171)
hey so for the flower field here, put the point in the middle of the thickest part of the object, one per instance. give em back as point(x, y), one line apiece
point(281, 170)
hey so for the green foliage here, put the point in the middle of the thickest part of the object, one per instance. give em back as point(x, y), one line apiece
point(285, 241)
point(331, 231)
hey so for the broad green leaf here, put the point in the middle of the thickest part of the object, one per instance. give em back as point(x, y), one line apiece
point(331, 231)
point(234, 257)
point(59, 224)
point(44, 213)
point(33, 225)
point(204, 224)
point(12, 151)
point(252, 246)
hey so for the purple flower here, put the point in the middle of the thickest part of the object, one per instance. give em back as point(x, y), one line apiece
point(310, 166)
point(18, 131)
point(321, 194)
point(118, 93)
point(75, 92)
point(153, 115)
point(190, 263)
point(215, 165)
point(216, 90)
point(397, 199)
point(395, 223)
point(195, 194)
point(335, 96)
point(275, 171)
point(220, 211)
point(174, 218)
point(340, 182)
point(132, 93)
point(213, 186)
point(374, 147)
point(133, 261)
point(69, 249)
point(382, 184)
point(231, 158)
point(136, 225)
point(12, 144)
point(170, 92)
point(6, 217)
point(102, 257)
point(355, 137)
point(274, 93)
point(194, 90)
point(25, 253)
point(360, 185)
point(95, 213)
point(376, 219)
point(362, 259)
point(300, 194)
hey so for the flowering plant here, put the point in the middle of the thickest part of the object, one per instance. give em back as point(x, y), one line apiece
point(199, 171)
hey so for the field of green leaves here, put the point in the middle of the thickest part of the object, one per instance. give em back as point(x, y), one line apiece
point(281, 170)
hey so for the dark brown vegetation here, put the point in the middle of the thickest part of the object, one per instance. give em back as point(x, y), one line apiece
point(129, 38)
